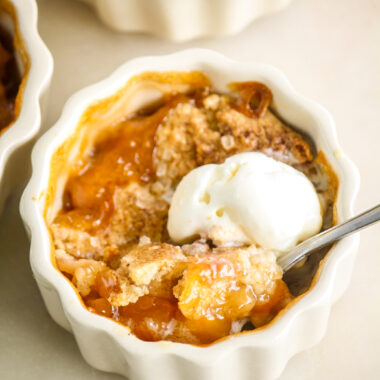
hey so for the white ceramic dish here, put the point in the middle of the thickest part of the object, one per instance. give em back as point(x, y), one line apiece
point(36, 66)
point(263, 354)
point(184, 19)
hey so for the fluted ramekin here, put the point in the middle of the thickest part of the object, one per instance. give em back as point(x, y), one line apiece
point(260, 354)
point(36, 66)
point(184, 19)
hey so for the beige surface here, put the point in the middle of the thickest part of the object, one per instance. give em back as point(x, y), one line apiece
point(330, 50)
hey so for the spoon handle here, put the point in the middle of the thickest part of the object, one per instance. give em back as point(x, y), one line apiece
point(290, 258)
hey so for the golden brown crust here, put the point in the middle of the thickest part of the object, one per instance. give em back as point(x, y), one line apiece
point(137, 213)
point(191, 136)
point(158, 266)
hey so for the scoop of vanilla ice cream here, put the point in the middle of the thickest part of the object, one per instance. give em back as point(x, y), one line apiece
point(249, 199)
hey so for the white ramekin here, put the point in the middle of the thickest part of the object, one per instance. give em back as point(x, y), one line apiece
point(36, 66)
point(261, 354)
point(181, 20)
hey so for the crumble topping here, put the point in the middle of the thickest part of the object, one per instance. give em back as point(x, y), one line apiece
point(192, 136)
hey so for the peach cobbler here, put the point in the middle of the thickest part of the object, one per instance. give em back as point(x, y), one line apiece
point(145, 253)
point(10, 79)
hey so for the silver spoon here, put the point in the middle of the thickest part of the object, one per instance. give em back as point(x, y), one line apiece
point(304, 249)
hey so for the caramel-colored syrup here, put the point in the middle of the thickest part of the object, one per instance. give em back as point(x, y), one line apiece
point(124, 157)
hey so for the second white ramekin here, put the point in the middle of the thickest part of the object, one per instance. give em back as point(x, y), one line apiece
point(182, 20)
point(36, 67)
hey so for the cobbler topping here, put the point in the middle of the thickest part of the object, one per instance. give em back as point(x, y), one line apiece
point(111, 238)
